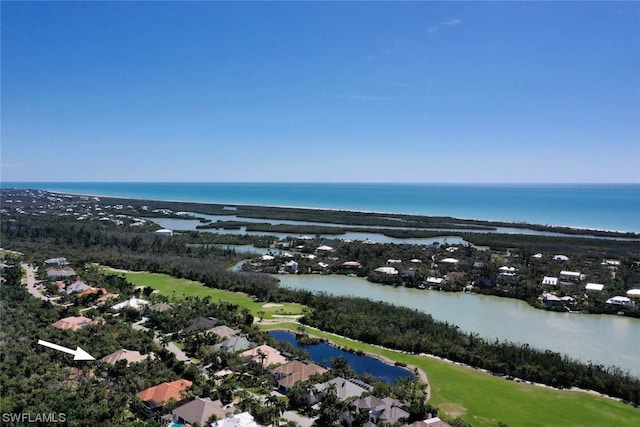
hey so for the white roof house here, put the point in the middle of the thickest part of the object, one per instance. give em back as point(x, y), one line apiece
point(594, 287)
point(618, 300)
point(448, 261)
point(390, 271)
point(633, 293)
point(506, 269)
point(560, 258)
point(135, 303)
point(164, 232)
point(238, 420)
point(324, 248)
point(550, 281)
point(573, 275)
point(267, 257)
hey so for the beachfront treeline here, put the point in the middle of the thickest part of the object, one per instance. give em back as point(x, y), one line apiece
point(378, 323)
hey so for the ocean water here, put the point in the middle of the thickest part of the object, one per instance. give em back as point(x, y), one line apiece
point(596, 206)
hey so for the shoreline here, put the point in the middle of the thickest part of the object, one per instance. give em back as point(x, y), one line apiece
point(421, 373)
point(487, 222)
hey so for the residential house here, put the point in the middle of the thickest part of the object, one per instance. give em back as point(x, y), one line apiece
point(571, 275)
point(222, 331)
point(320, 267)
point(200, 410)
point(243, 419)
point(133, 303)
point(157, 396)
point(288, 374)
point(56, 262)
point(633, 293)
point(161, 306)
point(234, 344)
point(595, 287)
point(560, 258)
point(484, 282)
point(389, 271)
point(430, 422)
point(385, 410)
point(73, 323)
point(620, 301)
point(60, 273)
point(351, 265)
point(77, 286)
point(201, 323)
point(345, 388)
point(553, 300)
point(264, 355)
point(131, 356)
point(550, 281)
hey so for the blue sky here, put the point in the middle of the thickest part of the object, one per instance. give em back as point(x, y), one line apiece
point(321, 92)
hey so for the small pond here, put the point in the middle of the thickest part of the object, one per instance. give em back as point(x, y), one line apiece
point(323, 354)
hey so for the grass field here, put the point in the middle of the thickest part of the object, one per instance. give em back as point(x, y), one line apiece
point(181, 288)
point(484, 400)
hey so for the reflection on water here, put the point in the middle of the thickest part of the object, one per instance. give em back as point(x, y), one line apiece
point(608, 340)
point(324, 354)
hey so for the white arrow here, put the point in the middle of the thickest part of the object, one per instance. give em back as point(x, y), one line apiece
point(78, 353)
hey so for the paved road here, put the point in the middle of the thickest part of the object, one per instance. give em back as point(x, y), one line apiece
point(31, 282)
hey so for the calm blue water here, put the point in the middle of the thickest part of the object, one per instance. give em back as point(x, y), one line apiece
point(599, 206)
point(324, 354)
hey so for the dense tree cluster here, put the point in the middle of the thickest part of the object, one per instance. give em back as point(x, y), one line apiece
point(371, 322)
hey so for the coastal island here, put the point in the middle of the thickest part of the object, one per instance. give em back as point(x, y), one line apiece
point(460, 256)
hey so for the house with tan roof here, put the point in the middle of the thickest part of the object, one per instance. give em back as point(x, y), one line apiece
point(200, 410)
point(74, 323)
point(290, 373)
point(131, 356)
point(157, 396)
point(264, 355)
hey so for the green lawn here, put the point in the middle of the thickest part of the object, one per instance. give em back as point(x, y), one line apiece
point(180, 288)
point(484, 400)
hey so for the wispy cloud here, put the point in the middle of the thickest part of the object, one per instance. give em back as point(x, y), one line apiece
point(444, 24)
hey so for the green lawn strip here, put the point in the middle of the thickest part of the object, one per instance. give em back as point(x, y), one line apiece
point(483, 399)
point(181, 288)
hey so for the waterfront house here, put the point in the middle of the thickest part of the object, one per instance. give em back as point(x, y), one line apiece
point(379, 411)
point(351, 265)
point(234, 344)
point(154, 398)
point(264, 355)
point(620, 301)
point(389, 271)
point(288, 374)
point(484, 282)
point(345, 389)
